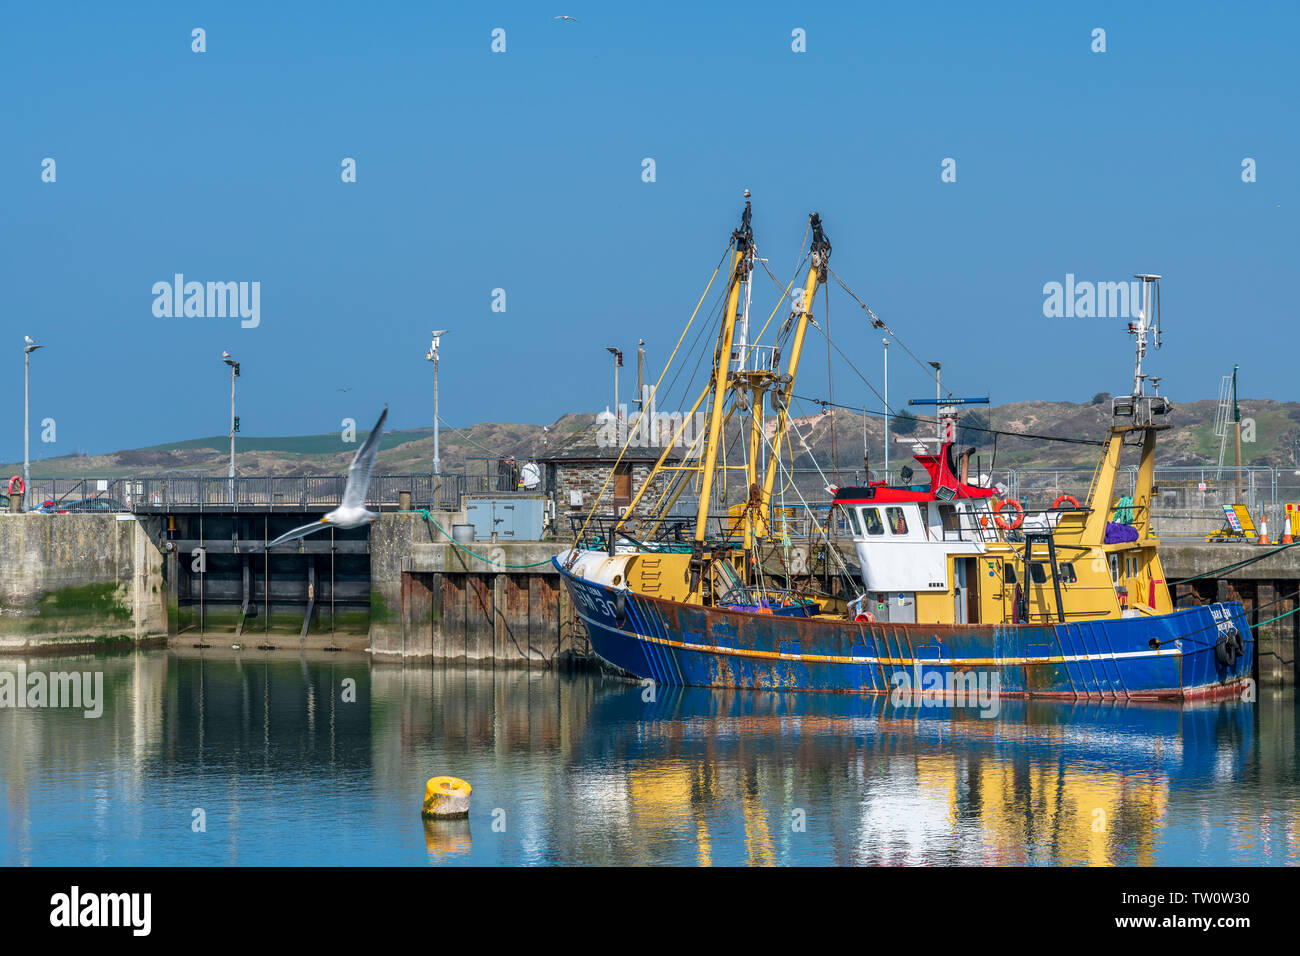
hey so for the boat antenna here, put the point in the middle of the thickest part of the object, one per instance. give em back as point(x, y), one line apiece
point(1140, 406)
point(1144, 327)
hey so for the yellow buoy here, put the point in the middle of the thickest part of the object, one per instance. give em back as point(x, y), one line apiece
point(446, 797)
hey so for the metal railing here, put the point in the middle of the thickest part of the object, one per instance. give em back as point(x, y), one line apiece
point(264, 493)
point(1188, 501)
point(270, 493)
point(66, 493)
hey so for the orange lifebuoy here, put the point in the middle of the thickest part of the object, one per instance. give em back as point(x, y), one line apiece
point(1001, 522)
point(1074, 502)
point(21, 487)
point(865, 617)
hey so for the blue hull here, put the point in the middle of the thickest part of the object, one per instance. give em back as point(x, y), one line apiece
point(687, 645)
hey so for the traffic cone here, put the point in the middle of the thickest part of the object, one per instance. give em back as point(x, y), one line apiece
point(1263, 528)
point(1286, 530)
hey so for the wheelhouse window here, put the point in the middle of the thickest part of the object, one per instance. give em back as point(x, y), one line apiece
point(1114, 569)
point(897, 523)
point(853, 521)
point(871, 520)
point(951, 522)
point(1038, 573)
point(1067, 573)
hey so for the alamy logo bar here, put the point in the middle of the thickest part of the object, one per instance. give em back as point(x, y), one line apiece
point(1088, 300)
point(75, 909)
point(212, 300)
point(82, 690)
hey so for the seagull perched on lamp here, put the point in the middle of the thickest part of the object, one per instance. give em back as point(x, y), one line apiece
point(352, 512)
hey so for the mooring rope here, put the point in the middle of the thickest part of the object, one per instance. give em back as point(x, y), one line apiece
point(474, 554)
point(1239, 564)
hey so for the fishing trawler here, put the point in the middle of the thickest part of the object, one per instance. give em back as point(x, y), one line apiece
point(956, 581)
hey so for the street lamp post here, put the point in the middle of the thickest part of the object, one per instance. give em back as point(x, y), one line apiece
point(28, 348)
point(618, 360)
point(640, 375)
point(885, 343)
point(234, 421)
point(432, 356)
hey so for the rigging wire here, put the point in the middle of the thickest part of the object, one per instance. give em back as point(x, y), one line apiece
point(786, 327)
point(879, 323)
point(830, 380)
point(830, 549)
point(848, 361)
point(1215, 624)
point(466, 436)
point(976, 428)
point(784, 293)
point(635, 428)
point(707, 326)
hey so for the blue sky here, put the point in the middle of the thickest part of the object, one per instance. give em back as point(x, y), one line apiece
point(522, 171)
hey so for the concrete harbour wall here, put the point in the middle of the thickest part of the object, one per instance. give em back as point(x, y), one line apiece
point(1266, 588)
point(433, 601)
point(72, 581)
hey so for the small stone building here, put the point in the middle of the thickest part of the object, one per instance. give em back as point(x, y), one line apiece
point(573, 477)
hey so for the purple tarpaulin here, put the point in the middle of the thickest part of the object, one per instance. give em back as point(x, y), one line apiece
point(1117, 533)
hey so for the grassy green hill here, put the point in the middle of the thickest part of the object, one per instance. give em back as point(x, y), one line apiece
point(401, 452)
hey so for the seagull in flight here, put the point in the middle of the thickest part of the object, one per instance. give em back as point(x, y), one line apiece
point(352, 512)
point(574, 19)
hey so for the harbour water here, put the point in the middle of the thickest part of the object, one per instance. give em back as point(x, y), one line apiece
point(220, 757)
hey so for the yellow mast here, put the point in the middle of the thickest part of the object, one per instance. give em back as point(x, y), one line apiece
point(1103, 488)
point(821, 253)
point(1142, 490)
point(741, 267)
point(662, 465)
point(742, 262)
point(751, 387)
point(718, 384)
point(754, 525)
point(1141, 410)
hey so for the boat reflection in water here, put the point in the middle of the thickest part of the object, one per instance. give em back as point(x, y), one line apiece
point(1042, 782)
point(323, 759)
